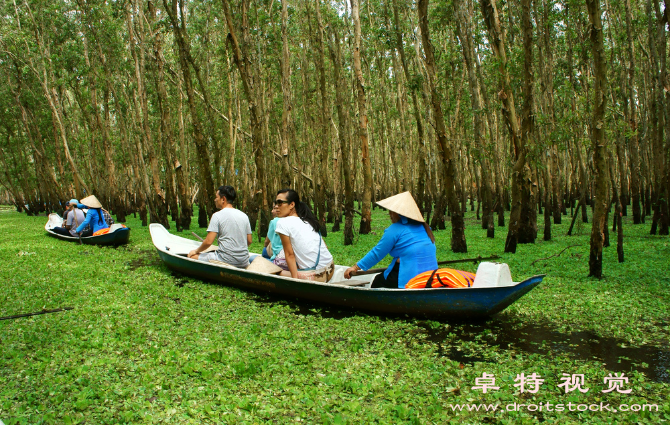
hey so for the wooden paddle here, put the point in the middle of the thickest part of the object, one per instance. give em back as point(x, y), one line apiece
point(440, 263)
point(196, 235)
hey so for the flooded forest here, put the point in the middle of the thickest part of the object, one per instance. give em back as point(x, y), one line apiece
point(544, 109)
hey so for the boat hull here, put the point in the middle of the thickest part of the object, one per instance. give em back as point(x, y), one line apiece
point(438, 302)
point(119, 236)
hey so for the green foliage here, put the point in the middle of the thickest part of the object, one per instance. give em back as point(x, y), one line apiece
point(144, 345)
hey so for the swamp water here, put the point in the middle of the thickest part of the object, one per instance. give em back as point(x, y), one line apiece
point(507, 334)
point(502, 333)
point(541, 338)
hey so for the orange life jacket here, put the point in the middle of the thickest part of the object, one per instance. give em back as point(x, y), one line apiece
point(442, 278)
point(104, 231)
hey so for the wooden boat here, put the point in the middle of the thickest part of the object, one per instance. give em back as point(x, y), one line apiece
point(455, 302)
point(118, 234)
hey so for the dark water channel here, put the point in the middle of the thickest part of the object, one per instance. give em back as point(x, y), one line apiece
point(542, 339)
point(507, 334)
point(144, 259)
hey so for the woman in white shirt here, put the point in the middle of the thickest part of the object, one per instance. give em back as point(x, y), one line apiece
point(305, 252)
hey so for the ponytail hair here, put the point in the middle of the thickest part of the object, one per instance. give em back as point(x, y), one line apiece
point(430, 232)
point(303, 210)
point(100, 220)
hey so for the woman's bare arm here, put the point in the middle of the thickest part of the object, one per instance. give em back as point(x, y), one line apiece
point(290, 255)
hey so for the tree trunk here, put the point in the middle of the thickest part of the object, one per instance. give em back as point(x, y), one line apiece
point(167, 138)
point(287, 130)
point(324, 124)
point(422, 153)
point(618, 213)
point(520, 169)
point(547, 204)
point(464, 32)
point(181, 170)
point(343, 136)
point(599, 143)
point(528, 217)
point(207, 188)
point(458, 242)
point(366, 211)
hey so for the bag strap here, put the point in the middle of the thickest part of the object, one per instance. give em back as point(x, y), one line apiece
point(429, 282)
point(318, 256)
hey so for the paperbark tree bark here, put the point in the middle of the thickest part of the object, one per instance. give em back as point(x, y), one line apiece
point(465, 35)
point(323, 185)
point(633, 140)
point(256, 113)
point(287, 129)
point(207, 188)
point(458, 242)
point(598, 141)
point(520, 170)
point(343, 132)
point(366, 211)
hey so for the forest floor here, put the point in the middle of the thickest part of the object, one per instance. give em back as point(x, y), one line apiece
point(144, 345)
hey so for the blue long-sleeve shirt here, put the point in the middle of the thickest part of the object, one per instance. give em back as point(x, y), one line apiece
point(274, 237)
point(410, 243)
point(93, 217)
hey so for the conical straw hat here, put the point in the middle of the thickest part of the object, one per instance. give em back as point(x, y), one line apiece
point(403, 204)
point(263, 265)
point(91, 202)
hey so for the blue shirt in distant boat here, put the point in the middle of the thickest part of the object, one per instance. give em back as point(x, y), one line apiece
point(275, 239)
point(94, 217)
point(408, 241)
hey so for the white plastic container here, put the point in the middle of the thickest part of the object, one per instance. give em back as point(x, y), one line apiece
point(491, 275)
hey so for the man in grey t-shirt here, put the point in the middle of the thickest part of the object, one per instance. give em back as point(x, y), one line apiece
point(233, 230)
point(74, 219)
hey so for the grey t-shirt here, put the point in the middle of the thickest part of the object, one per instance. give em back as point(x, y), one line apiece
point(70, 221)
point(232, 227)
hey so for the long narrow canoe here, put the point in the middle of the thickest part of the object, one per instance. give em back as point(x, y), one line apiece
point(118, 234)
point(456, 302)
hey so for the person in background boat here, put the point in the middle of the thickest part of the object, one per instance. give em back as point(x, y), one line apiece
point(94, 216)
point(233, 230)
point(67, 211)
point(272, 241)
point(408, 239)
point(107, 217)
point(74, 216)
point(304, 254)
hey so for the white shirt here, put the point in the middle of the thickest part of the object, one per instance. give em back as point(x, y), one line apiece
point(305, 242)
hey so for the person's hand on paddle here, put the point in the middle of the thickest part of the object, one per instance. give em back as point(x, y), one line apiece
point(350, 270)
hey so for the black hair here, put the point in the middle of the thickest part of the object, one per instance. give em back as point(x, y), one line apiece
point(228, 192)
point(303, 210)
point(99, 210)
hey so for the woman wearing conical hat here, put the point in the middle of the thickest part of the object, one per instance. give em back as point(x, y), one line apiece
point(408, 240)
point(94, 216)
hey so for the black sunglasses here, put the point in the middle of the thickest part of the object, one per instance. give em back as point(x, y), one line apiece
point(278, 202)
